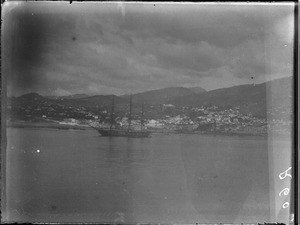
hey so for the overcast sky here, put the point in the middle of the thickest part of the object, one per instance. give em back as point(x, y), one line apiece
point(120, 48)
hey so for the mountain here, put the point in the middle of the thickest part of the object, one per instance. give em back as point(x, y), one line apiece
point(255, 99)
point(197, 90)
point(104, 100)
point(30, 98)
point(160, 96)
point(272, 99)
point(76, 96)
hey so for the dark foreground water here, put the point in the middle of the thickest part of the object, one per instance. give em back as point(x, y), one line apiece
point(78, 176)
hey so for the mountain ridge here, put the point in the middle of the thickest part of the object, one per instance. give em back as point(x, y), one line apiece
point(256, 99)
point(197, 90)
point(159, 96)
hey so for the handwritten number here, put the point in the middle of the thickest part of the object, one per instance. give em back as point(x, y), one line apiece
point(285, 174)
point(284, 191)
point(285, 205)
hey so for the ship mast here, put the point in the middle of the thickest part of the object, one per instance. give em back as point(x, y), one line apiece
point(112, 112)
point(142, 117)
point(130, 112)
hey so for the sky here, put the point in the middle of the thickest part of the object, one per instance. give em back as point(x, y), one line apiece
point(120, 48)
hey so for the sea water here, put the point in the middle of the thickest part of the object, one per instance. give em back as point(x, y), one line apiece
point(78, 176)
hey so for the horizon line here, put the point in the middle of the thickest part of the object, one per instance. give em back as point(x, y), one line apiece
point(91, 95)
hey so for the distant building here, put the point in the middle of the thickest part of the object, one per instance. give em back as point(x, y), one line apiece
point(69, 122)
point(154, 124)
point(167, 106)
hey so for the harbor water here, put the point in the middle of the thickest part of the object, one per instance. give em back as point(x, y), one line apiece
point(78, 176)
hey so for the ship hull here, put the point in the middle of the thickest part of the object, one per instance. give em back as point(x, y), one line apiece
point(123, 133)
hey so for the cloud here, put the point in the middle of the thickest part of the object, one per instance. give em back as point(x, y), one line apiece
point(225, 25)
point(136, 47)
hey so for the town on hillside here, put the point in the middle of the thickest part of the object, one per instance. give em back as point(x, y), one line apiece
point(160, 118)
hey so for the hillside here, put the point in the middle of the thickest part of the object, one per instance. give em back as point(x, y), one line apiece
point(272, 99)
point(76, 96)
point(160, 96)
point(256, 99)
point(197, 90)
point(103, 100)
point(30, 97)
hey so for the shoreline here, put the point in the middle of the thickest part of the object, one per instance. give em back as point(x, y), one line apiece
point(55, 125)
point(51, 125)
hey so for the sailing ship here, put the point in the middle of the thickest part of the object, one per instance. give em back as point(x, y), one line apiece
point(115, 131)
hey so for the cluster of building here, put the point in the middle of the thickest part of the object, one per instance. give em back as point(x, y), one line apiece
point(206, 120)
point(166, 118)
point(44, 109)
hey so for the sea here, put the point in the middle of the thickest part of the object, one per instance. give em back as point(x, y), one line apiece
point(72, 176)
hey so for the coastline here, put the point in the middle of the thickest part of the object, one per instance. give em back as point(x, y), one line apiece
point(51, 125)
point(56, 125)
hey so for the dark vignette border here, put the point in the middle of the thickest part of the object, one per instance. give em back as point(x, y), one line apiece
point(295, 156)
point(295, 153)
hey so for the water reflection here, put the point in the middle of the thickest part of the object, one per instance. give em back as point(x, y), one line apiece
point(226, 178)
point(166, 178)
